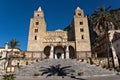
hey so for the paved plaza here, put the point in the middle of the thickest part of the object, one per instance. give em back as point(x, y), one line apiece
point(90, 72)
point(72, 68)
point(115, 77)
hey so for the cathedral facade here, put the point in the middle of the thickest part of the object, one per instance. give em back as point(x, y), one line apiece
point(72, 42)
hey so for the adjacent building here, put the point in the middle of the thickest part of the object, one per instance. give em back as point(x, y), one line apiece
point(105, 47)
point(116, 45)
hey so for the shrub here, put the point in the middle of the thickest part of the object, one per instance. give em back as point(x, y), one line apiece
point(46, 57)
point(18, 65)
point(117, 73)
point(118, 69)
point(91, 62)
point(105, 66)
point(80, 73)
point(26, 63)
point(36, 74)
point(36, 60)
point(82, 60)
point(87, 61)
point(9, 77)
point(72, 76)
point(110, 69)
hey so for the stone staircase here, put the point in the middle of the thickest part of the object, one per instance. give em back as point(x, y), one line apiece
point(87, 69)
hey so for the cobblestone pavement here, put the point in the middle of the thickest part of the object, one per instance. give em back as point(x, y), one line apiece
point(114, 77)
point(77, 66)
point(91, 72)
point(108, 77)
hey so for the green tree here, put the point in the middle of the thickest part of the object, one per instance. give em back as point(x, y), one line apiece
point(56, 70)
point(101, 19)
point(8, 77)
point(13, 43)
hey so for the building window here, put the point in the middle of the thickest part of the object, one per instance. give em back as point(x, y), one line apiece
point(37, 23)
point(36, 30)
point(35, 37)
point(81, 23)
point(81, 30)
point(79, 14)
point(82, 37)
point(38, 15)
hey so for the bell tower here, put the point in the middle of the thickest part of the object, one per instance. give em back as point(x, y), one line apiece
point(81, 32)
point(37, 30)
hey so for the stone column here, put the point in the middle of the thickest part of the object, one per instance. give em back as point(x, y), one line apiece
point(55, 56)
point(51, 51)
point(62, 55)
point(67, 51)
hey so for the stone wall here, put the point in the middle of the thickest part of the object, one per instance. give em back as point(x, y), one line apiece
point(102, 62)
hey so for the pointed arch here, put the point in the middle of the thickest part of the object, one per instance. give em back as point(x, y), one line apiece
point(47, 51)
point(72, 53)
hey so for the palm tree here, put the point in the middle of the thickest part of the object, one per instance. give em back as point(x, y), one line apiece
point(8, 77)
point(56, 70)
point(13, 43)
point(101, 19)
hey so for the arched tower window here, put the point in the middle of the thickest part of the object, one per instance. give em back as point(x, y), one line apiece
point(81, 30)
point(38, 15)
point(37, 23)
point(35, 37)
point(82, 37)
point(81, 23)
point(36, 30)
point(79, 14)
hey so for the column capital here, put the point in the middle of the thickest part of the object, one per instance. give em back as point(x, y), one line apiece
point(67, 43)
point(51, 44)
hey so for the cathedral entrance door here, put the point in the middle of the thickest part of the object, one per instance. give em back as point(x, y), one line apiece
point(58, 55)
point(59, 52)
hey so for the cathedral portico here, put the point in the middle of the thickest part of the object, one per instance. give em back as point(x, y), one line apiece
point(54, 51)
point(59, 52)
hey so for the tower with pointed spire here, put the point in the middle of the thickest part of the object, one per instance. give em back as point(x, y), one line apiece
point(81, 33)
point(37, 30)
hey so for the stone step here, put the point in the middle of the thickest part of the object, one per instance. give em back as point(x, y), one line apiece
point(77, 66)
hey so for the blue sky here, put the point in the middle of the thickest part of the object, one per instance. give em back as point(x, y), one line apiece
point(15, 15)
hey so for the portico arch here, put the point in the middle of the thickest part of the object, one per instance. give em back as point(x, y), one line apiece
point(59, 52)
point(72, 53)
point(47, 51)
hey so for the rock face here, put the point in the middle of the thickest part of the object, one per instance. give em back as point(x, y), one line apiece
point(77, 66)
